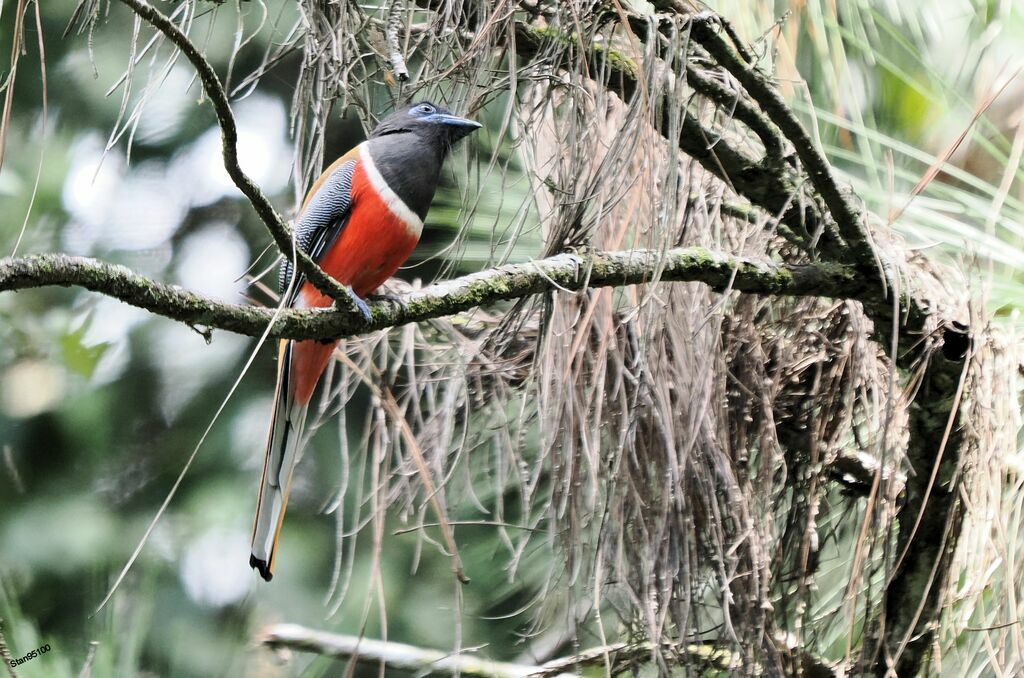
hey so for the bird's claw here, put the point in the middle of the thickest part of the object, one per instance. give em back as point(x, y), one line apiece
point(388, 297)
point(360, 305)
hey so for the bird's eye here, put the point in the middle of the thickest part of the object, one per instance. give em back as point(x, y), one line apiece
point(425, 108)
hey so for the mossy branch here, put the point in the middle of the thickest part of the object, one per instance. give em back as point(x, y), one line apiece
point(569, 272)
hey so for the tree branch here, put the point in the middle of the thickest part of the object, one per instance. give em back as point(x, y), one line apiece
point(770, 185)
point(847, 216)
point(571, 272)
point(213, 88)
point(925, 544)
point(394, 24)
point(568, 272)
point(397, 656)
point(742, 109)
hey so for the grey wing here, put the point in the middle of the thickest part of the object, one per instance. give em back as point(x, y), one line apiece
point(321, 222)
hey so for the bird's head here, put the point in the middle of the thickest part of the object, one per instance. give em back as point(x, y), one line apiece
point(426, 120)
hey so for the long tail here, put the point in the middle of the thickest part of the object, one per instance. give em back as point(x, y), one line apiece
point(287, 423)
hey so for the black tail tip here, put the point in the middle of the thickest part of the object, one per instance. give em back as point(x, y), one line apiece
point(261, 567)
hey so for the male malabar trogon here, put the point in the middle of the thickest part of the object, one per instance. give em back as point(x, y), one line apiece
point(360, 221)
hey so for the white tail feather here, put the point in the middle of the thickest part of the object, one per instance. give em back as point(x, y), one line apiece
point(283, 446)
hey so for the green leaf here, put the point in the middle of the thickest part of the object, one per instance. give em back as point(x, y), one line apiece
point(79, 357)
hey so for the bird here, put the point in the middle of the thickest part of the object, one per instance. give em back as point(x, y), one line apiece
point(360, 221)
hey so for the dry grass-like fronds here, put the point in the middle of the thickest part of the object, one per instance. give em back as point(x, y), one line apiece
point(684, 457)
point(678, 445)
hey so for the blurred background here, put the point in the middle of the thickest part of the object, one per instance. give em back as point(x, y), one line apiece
point(101, 404)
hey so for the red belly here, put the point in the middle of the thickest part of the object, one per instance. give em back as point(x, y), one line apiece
point(373, 245)
point(366, 254)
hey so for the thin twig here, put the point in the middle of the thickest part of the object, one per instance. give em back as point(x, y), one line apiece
point(396, 656)
point(17, 38)
point(213, 88)
point(394, 44)
point(86, 671)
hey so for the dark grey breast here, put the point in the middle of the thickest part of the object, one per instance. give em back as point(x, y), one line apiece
point(409, 146)
point(410, 164)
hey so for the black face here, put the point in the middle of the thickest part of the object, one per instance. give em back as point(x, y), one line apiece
point(409, 147)
point(427, 120)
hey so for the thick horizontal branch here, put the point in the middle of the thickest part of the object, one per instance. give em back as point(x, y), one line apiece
point(572, 272)
point(569, 272)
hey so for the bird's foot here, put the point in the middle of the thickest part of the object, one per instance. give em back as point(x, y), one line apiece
point(360, 305)
point(388, 297)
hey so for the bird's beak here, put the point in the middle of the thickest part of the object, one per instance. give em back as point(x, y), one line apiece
point(455, 121)
point(457, 127)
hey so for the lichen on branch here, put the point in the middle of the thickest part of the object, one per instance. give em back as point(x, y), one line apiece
point(570, 272)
